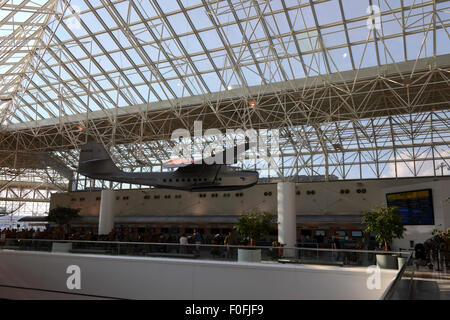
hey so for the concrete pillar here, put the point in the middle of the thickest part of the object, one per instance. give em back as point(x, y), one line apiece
point(106, 215)
point(287, 224)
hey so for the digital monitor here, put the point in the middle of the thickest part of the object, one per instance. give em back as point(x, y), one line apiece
point(416, 207)
point(357, 234)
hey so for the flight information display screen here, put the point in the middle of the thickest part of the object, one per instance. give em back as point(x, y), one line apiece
point(416, 207)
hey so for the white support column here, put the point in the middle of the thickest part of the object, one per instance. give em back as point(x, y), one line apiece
point(287, 224)
point(106, 215)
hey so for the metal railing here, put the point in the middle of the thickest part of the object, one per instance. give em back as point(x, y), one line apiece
point(296, 255)
point(401, 287)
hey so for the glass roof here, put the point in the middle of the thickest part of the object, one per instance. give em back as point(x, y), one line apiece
point(63, 58)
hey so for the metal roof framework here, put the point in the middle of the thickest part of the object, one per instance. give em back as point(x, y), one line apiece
point(357, 88)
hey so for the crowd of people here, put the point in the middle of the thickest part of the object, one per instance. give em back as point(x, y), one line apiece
point(124, 234)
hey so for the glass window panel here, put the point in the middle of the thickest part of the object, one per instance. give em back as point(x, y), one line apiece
point(442, 42)
point(333, 37)
point(199, 18)
point(190, 3)
point(328, 12)
point(202, 63)
point(355, 8)
point(245, 10)
point(106, 18)
point(106, 41)
point(213, 82)
point(211, 39)
point(386, 5)
point(302, 18)
point(308, 41)
point(364, 57)
point(168, 6)
point(178, 87)
point(414, 45)
point(179, 23)
point(162, 91)
point(341, 59)
point(191, 44)
point(297, 68)
point(391, 25)
point(277, 24)
point(172, 48)
point(391, 47)
point(91, 46)
point(195, 85)
point(358, 31)
point(251, 75)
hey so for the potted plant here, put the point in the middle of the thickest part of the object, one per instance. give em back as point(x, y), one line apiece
point(62, 215)
point(438, 243)
point(386, 223)
point(253, 225)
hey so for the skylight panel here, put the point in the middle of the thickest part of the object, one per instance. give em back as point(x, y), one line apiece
point(199, 18)
point(308, 41)
point(414, 47)
point(191, 44)
point(391, 24)
point(120, 59)
point(358, 31)
point(315, 64)
point(355, 8)
point(211, 39)
point(178, 87)
point(297, 68)
point(364, 56)
point(171, 47)
point(106, 18)
point(442, 42)
point(341, 60)
point(168, 6)
point(106, 41)
point(277, 24)
point(391, 49)
point(387, 5)
point(89, 20)
point(333, 36)
point(252, 28)
point(121, 38)
point(302, 18)
point(179, 23)
point(251, 75)
point(190, 3)
point(202, 63)
point(328, 12)
point(135, 57)
point(232, 34)
point(162, 91)
point(212, 81)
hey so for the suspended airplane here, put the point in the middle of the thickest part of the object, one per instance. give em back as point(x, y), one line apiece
point(96, 163)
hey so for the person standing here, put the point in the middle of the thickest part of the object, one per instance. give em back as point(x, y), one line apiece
point(183, 242)
point(197, 240)
point(229, 241)
point(336, 246)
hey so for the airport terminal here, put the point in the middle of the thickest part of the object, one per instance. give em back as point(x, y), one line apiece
point(256, 146)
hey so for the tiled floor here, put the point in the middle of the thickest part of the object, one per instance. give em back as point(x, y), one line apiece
point(431, 284)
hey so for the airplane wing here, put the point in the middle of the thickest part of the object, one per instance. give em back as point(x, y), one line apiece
point(177, 163)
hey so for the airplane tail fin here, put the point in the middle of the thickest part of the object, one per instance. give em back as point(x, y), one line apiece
point(94, 159)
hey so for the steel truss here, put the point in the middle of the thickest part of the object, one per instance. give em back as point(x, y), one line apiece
point(355, 94)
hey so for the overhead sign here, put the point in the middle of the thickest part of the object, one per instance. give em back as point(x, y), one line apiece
point(416, 207)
